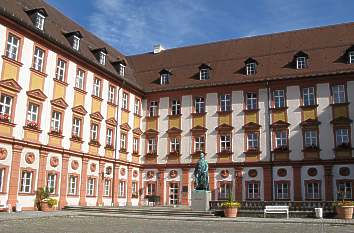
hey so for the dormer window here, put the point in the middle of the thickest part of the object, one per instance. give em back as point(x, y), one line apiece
point(301, 60)
point(102, 58)
point(204, 72)
point(351, 57)
point(38, 16)
point(165, 77)
point(121, 69)
point(76, 43)
point(74, 39)
point(251, 66)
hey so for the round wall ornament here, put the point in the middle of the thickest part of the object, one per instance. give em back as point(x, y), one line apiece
point(92, 167)
point(150, 174)
point(108, 170)
point(30, 158)
point(344, 171)
point(173, 173)
point(122, 171)
point(54, 161)
point(3, 153)
point(224, 173)
point(282, 172)
point(252, 173)
point(135, 173)
point(74, 164)
point(312, 171)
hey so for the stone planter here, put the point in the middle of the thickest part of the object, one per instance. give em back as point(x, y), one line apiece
point(230, 212)
point(45, 207)
point(344, 212)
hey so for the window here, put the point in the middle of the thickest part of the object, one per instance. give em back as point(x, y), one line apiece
point(225, 102)
point(175, 145)
point(125, 101)
point(72, 185)
point(136, 145)
point(32, 113)
point(164, 79)
point(122, 189)
point(204, 74)
point(153, 108)
point(94, 132)
point(251, 68)
point(282, 191)
point(111, 94)
point(107, 187)
point(137, 106)
point(51, 183)
point(76, 127)
point(176, 107)
point(225, 143)
point(251, 101)
point(102, 58)
point(279, 98)
point(12, 47)
point(151, 189)
point(90, 186)
point(60, 71)
point(342, 136)
point(97, 87)
point(2, 176)
point(80, 76)
point(121, 70)
point(344, 190)
point(281, 138)
point(339, 95)
point(313, 190)
point(199, 143)
point(308, 95)
point(351, 57)
point(26, 182)
point(134, 189)
point(310, 138)
point(38, 59)
point(252, 141)
point(253, 190)
point(56, 118)
point(39, 21)
point(76, 43)
point(5, 105)
point(301, 63)
point(123, 141)
point(152, 147)
point(199, 105)
point(224, 190)
point(109, 138)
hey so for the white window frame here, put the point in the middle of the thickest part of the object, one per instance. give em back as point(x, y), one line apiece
point(111, 94)
point(38, 59)
point(76, 43)
point(135, 145)
point(204, 74)
point(351, 57)
point(32, 112)
point(12, 46)
point(176, 107)
point(225, 142)
point(51, 183)
point(94, 132)
point(342, 136)
point(153, 108)
point(224, 190)
point(96, 87)
point(279, 98)
point(175, 144)
point(60, 70)
point(137, 106)
point(39, 20)
point(309, 96)
point(253, 190)
point(134, 187)
point(90, 186)
point(107, 187)
point(339, 94)
point(5, 104)
point(121, 70)
point(164, 79)
point(281, 138)
point(252, 141)
point(122, 189)
point(125, 97)
point(342, 186)
point(199, 144)
point(283, 187)
point(251, 68)
point(26, 182)
point(109, 137)
point(56, 121)
point(251, 101)
point(199, 105)
point(102, 58)
point(123, 141)
point(225, 102)
point(76, 128)
point(152, 146)
point(72, 185)
point(301, 63)
point(310, 138)
point(80, 77)
point(313, 195)
point(151, 189)
point(2, 178)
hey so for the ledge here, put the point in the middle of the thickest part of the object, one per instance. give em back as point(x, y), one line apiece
point(279, 109)
point(252, 152)
point(125, 110)
point(96, 98)
point(198, 114)
point(38, 72)
point(94, 143)
point(32, 129)
point(251, 110)
point(224, 112)
point(80, 90)
point(8, 123)
point(303, 107)
point(60, 82)
point(174, 116)
point(54, 134)
point(15, 62)
point(78, 140)
point(340, 104)
point(111, 104)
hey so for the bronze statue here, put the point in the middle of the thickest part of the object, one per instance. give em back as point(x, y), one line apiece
point(201, 174)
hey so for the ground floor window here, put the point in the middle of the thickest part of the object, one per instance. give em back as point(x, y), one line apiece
point(26, 182)
point(51, 182)
point(134, 189)
point(344, 190)
point(313, 190)
point(224, 190)
point(122, 189)
point(72, 185)
point(253, 192)
point(2, 176)
point(282, 191)
point(174, 194)
point(90, 186)
point(107, 187)
point(151, 189)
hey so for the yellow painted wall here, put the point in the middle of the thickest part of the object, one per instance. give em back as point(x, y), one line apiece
point(340, 111)
point(251, 117)
point(10, 71)
point(309, 114)
point(151, 123)
point(37, 82)
point(109, 154)
point(31, 136)
point(59, 90)
point(279, 116)
point(175, 122)
point(225, 119)
point(136, 122)
point(198, 120)
point(96, 105)
point(79, 99)
point(54, 141)
point(75, 146)
point(6, 130)
point(125, 117)
point(110, 111)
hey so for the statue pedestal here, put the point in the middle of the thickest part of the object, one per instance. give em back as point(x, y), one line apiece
point(200, 200)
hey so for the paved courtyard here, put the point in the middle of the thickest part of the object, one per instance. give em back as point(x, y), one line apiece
point(87, 224)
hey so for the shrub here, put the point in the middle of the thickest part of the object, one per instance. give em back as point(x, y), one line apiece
point(52, 202)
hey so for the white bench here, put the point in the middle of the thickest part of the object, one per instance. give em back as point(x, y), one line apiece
point(271, 209)
point(3, 206)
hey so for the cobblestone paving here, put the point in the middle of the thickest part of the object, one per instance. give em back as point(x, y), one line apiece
point(81, 224)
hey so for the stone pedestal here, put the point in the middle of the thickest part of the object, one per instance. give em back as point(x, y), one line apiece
point(200, 200)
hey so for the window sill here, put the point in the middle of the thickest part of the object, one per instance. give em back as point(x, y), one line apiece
point(80, 90)
point(112, 104)
point(149, 155)
point(303, 107)
point(26, 194)
point(94, 143)
point(137, 115)
point(55, 134)
point(174, 154)
point(152, 117)
point(7, 123)
point(73, 195)
point(38, 72)
point(36, 130)
point(278, 109)
point(311, 149)
point(251, 110)
point(15, 62)
point(340, 104)
point(174, 116)
point(125, 110)
point(76, 139)
point(97, 98)
point(60, 82)
point(224, 112)
point(108, 147)
point(195, 114)
point(252, 152)
point(135, 154)
point(123, 151)
point(91, 196)
point(224, 153)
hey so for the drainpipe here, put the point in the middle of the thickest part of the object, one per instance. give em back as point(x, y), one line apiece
point(116, 140)
point(269, 136)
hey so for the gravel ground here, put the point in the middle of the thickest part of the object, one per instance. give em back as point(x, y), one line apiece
point(87, 224)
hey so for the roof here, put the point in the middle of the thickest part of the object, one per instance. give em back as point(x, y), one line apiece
point(325, 46)
point(57, 25)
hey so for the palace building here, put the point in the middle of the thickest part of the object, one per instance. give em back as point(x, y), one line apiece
point(272, 113)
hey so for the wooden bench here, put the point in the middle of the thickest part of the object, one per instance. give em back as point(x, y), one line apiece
point(271, 209)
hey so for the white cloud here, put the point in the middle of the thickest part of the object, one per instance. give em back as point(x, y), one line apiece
point(134, 26)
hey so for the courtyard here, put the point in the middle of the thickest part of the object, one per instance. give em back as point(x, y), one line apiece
point(107, 224)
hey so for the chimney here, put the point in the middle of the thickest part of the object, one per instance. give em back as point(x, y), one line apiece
point(158, 48)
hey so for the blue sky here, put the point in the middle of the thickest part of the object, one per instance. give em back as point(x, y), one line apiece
point(134, 26)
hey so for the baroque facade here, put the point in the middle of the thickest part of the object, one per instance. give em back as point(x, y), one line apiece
point(272, 113)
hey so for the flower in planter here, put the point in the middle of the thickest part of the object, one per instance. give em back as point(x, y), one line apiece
point(5, 117)
point(55, 131)
point(32, 124)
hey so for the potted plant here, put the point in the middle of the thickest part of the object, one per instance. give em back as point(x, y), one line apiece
point(43, 201)
point(344, 208)
point(230, 207)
